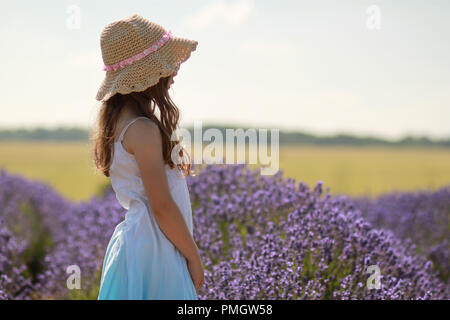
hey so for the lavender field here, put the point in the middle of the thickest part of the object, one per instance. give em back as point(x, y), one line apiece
point(260, 237)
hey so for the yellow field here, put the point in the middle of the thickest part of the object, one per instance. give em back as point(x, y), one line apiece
point(68, 167)
point(368, 170)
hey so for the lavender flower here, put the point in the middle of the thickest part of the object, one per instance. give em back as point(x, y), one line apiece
point(260, 237)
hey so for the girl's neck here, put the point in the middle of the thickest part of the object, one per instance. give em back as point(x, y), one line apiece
point(128, 113)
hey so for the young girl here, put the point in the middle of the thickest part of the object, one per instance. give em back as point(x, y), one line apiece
point(151, 254)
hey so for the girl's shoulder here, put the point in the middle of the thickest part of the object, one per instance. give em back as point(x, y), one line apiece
point(138, 132)
point(124, 124)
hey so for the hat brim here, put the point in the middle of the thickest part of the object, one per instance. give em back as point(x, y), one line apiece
point(146, 72)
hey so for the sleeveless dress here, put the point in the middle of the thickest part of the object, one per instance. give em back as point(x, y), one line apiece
point(140, 261)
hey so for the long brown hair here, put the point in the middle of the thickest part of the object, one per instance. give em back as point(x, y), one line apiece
point(144, 103)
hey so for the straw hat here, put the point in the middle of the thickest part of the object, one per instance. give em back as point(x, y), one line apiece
point(137, 53)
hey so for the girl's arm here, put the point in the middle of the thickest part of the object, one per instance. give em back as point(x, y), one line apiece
point(143, 139)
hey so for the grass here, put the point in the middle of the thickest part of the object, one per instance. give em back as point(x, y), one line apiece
point(69, 168)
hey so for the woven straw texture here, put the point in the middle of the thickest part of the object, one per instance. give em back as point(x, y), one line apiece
point(129, 36)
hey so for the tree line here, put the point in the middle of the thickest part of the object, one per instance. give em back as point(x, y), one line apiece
point(285, 137)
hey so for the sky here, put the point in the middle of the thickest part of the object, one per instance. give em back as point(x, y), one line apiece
point(379, 68)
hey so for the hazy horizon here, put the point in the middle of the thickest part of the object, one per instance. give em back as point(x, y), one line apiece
point(308, 66)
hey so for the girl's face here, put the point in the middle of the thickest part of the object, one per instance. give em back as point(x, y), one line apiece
point(171, 78)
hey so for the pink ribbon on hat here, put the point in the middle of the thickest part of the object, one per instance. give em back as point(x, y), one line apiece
point(139, 56)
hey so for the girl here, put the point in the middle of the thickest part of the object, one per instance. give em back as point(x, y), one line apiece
point(151, 254)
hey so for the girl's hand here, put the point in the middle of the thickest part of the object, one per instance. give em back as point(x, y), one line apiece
point(196, 271)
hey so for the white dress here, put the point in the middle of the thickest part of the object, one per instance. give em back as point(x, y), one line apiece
point(140, 261)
